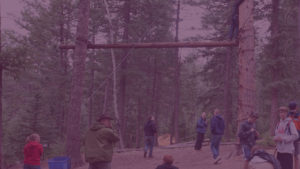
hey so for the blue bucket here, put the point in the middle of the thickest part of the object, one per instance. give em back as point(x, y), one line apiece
point(59, 163)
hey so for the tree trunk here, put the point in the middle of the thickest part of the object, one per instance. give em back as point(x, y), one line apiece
point(228, 94)
point(298, 41)
point(156, 110)
point(66, 84)
point(115, 97)
point(1, 93)
point(124, 66)
point(298, 30)
point(274, 111)
point(63, 73)
point(275, 45)
point(73, 123)
point(92, 78)
point(138, 125)
point(246, 62)
point(105, 96)
point(153, 97)
point(177, 82)
point(155, 100)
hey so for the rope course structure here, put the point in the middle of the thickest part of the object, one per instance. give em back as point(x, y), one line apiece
point(158, 45)
point(244, 35)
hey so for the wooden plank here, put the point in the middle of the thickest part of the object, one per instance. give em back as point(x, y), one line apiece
point(158, 45)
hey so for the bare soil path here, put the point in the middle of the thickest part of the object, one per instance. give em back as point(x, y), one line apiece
point(185, 158)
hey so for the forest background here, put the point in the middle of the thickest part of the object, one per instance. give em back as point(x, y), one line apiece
point(174, 86)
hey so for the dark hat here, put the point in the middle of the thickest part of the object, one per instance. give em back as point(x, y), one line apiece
point(253, 114)
point(104, 116)
point(292, 105)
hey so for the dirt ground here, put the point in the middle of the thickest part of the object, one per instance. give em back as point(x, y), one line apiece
point(185, 158)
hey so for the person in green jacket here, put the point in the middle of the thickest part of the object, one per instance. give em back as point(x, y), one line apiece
point(99, 142)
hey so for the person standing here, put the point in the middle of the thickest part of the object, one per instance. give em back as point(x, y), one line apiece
point(248, 136)
point(150, 132)
point(33, 151)
point(296, 119)
point(285, 135)
point(99, 142)
point(201, 130)
point(217, 127)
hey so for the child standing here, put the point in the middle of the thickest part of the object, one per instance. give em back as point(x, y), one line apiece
point(32, 152)
point(285, 135)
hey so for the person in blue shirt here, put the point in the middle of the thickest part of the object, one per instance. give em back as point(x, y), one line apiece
point(201, 130)
point(217, 127)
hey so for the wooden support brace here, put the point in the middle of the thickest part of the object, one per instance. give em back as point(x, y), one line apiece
point(158, 45)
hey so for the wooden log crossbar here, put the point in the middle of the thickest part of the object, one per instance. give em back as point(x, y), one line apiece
point(158, 45)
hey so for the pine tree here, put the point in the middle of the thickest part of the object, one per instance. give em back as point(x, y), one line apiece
point(74, 109)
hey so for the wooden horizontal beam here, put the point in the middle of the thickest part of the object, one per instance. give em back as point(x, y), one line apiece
point(158, 45)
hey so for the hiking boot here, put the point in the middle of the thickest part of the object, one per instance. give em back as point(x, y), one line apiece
point(145, 154)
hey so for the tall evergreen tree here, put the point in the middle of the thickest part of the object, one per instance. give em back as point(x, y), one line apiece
point(74, 110)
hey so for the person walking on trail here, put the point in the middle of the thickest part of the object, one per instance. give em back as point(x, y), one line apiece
point(150, 132)
point(285, 135)
point(99, 142)
point(296, 119)
point(217, 127)
point(33, 151)
point(168, 161)
point(201, 130)
point(248, 136)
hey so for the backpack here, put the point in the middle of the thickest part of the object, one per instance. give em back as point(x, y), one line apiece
point(268, 157)
point(296, 120)
point(287, 129)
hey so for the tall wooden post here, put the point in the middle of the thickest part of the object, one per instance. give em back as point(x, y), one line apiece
point(114, 65)
point(298, 56)
point(123, 78)
point(1, 93)
point(73, 142)
point(246, 62)
point(177, 82)
point(274, 54)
